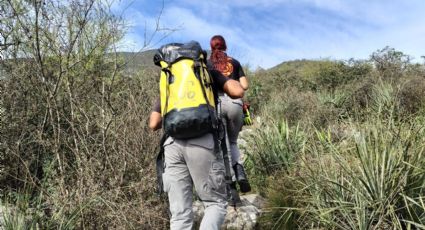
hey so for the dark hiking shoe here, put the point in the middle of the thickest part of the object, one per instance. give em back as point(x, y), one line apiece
point(241, 178)
point(233, 199)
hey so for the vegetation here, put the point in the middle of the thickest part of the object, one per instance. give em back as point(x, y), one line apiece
point(75, 148)
point(352, 154)
point(340, 144)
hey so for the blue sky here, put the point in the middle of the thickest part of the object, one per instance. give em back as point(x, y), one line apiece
point(266, 33)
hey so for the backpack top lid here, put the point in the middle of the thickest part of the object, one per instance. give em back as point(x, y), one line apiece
point(173, 52)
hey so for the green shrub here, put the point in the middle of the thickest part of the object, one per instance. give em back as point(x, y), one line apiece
point(334, 74)
point(256, 94)
point(390, 63)
point(281, 211)
point(363, 169)
point(373, 98)
point(412, 97)
point(362, 184)
point(360, 95)
point(271, 148)
point(291, 104)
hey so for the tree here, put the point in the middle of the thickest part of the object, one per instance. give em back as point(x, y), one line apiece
point(390, 62)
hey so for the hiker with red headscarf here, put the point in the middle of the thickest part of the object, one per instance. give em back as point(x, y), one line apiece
point(231, 109)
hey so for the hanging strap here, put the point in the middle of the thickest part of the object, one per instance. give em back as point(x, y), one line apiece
point(160, 165)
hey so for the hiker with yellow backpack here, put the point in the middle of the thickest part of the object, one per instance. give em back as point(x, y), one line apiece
point(186, 111)
point(234, 112)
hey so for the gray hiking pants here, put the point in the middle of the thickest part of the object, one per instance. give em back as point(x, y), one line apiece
point(193, 162)
point(232, 116)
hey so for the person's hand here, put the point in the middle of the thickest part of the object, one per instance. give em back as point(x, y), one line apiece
point(247, 116)
point(247, 119)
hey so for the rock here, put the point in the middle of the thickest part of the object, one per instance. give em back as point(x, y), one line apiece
point(244, 216)
point(258, 119)
point(255, 200)
point(242, 142)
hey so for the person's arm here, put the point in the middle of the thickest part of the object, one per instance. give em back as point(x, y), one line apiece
point(244, 82)
point(233, 88)
point(155, 118)
point(240, 75)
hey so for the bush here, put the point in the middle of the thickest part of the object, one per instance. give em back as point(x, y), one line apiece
point(373, 98)
point(412, 97)
point(390, 63)
point(281, 211)
point(332, 75)
point(361, 183)
point(272, 148)
point(290, 104)
point(73, 128)
point(363, 169)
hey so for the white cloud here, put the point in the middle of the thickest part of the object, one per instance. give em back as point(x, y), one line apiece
point(266, 33)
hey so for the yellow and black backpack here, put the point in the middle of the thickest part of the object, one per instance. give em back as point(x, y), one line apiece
point(186, 90)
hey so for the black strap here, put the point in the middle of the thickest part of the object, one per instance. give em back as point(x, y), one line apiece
point(160, 165)
point(167, 93)
point(223, 146)
point(197, 69)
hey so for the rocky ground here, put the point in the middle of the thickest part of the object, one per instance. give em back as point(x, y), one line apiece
point(244, 216)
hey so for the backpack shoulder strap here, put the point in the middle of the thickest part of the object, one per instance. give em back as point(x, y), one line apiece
point(165, 67)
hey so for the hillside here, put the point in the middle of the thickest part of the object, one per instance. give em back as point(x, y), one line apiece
point(139, 60)
point(332, 147)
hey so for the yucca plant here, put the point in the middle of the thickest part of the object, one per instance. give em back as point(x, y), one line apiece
point(362, 185)
point(334, 98)
point(416, 212)
point(272, 148)
point(384, 99)
point(17, 216)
